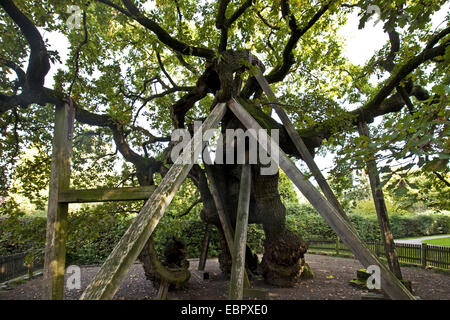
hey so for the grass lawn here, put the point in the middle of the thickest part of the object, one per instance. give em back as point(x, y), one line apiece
point(439, 242)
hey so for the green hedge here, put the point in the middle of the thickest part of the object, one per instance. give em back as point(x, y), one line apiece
point(307, 222)
point(93, 234)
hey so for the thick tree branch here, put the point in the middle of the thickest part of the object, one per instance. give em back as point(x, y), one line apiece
point(117, 7)
point(77, 54)
point(224, 24)
point(179, 109)
point(442, 178)
point(221, 18)
point(394, 81)
point(39, 63)
point(21, 76)
point(161, 65)
point(279, 72)
point(186, 212)
point(267, 23)
point(435, 39)
point(162, 34)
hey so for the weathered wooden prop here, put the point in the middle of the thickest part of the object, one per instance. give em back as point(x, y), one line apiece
point(163, 290)
point(205, 246)
point(55, 250)
point(301, 147)
point(60, 195)
point(380, 206)
point(204, 275)
point(240, 239)
point(108, 279)
point(392, 286)
point(103, 195)
point(223, 217)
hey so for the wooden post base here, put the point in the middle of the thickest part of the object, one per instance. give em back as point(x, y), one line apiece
point(256, 293)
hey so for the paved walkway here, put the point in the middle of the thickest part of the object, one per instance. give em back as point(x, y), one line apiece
point(419, 240)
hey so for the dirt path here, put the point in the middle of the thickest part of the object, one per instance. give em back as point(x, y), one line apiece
point(426, 284)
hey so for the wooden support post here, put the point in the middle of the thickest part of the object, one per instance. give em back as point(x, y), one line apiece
point(380, 206)
point(108, 279)
point(205, 246)
point(301, 148)
point(423, 255)
point(240, 239)
point(262, 294)
point(55, 245)
point(163, 290)
point(223, 217)
point(377, 247)
point(392, 286)
point(103, 195)
point(337, 245)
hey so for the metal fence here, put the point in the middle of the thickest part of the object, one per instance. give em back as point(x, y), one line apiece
point(418, 254)
point(14, 265)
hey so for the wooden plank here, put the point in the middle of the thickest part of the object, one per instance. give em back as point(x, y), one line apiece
point(423, 255)
point(380, 207)
point(392, 286)
point(256, 293)
point(301, 148)
point(240, 236)
point(56, 234)
point(205, 246)
point(102, 195)
point(108, 279)
point(163, 290)
point(223, 217)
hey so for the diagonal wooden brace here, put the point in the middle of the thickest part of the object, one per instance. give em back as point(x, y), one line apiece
point(390, 284)
point(301, 147)
point(223, 217)
point(108, 279)
point(56, 235)
point(240, 236)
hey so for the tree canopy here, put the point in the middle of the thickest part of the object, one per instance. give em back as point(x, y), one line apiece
point(138, 69)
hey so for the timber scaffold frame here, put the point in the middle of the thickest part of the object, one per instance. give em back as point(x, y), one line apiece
point(108, 279)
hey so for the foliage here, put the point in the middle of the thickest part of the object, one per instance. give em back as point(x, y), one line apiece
point(287, 189)
point(418, 187)
point(94, 231)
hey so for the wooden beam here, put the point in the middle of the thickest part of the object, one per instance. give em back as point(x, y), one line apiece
point(223, 217)
point(108, 279)
point(301, 147)
point(205, 246)
point(256, 293)
point(392, 286)
point(163, 290)
point(240, 236)
point(380, 207)
point(55, 245)
point(102, 195)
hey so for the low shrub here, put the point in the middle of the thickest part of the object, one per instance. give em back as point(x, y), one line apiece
point(93, 232)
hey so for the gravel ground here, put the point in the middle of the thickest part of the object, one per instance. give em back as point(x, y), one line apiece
point(331, 282)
